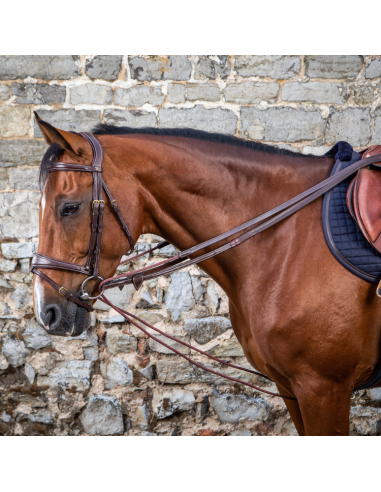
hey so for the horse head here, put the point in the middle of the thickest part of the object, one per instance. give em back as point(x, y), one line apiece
point(66, 220)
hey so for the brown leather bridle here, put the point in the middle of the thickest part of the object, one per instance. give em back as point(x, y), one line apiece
point(169, 266)
point(91, 269)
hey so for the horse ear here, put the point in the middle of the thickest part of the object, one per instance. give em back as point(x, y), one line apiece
point(74, 144)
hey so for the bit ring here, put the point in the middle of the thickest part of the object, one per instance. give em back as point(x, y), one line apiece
point(84, 295)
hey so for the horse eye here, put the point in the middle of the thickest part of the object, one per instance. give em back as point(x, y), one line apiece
point(70, 210)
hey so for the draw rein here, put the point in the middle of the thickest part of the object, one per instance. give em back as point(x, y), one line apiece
point(178, 262)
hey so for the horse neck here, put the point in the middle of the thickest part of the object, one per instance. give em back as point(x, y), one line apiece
point(193, 190)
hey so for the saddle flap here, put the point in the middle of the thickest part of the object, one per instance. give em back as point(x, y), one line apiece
point(364, 200)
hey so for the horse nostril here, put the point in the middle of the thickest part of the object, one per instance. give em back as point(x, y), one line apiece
point(52, 317)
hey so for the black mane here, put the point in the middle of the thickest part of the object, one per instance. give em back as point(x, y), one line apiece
point(104, 129)
point(55, 152)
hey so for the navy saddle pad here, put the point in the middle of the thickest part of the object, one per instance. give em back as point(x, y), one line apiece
point(344, 238)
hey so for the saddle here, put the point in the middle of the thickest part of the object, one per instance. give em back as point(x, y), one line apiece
point(364, 199)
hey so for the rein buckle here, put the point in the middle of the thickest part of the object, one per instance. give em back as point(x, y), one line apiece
point(97, 201)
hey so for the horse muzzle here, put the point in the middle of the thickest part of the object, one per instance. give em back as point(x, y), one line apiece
point(64, 319)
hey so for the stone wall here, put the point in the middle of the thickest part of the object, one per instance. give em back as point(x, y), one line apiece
point(112, 380)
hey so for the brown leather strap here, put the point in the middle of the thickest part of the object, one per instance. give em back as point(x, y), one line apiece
point(65, 166)
point(131, 319)
point(145, 253)
point(115, 206)
point(42, 261)
point(64, 292)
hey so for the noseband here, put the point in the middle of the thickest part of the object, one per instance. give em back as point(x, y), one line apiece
point(91, 269)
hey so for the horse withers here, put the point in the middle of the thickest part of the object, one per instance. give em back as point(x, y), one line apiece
point(301, 318)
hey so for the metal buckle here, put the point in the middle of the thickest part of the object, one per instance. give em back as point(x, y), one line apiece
point(63, 288)
point(98, 201)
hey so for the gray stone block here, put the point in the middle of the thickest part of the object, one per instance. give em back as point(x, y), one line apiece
point(176, 93)
point(103, 416)
point(91, 94)
point(25, 265)
point(181, 372)
point(25, 179)
point(40, 417)
point(19, 214)
point(135, 119)
point(113, 320)
point(38, 93)
point(148, 373)
point(166, 252)
point(21, 152)
point(205, 92)
point(69, 120)
point(175, 67)
point(352, 125)
point(150, 317)
point(91, 353)
point(333, 66)
point(30, 373)
point(236, 408)
point(319, 92)
point(373, 71)
point(204, 330)
point(377, 128)
point(169, 403)
point(116, 373)
point(14, 121)
point(228, 348)
point(282, 124)
point(14, 351)
point(46, 67)
point(118, 342)
point(36, 337)
point(105, 67)
point(375, 394)
point(72, 374)
point(4, 285)
point(198, 289)
point(241, 433)
point(119, 298)
point(19, 250)
point(252, 92)
point(138, 96)
point(3, 178)
point(209, 68)
point(142, 417)
point(146, 302)
point(212, 120)
point(7, 266)
point(4, 92)
point(365, 421)
point(365, 94)
point(21, 297)
point(274, 66)
point(179, 298)
point(160, 349)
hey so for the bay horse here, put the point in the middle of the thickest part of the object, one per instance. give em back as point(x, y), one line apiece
point(302, 319)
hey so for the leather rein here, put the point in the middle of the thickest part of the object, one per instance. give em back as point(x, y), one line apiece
point(171, 265)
